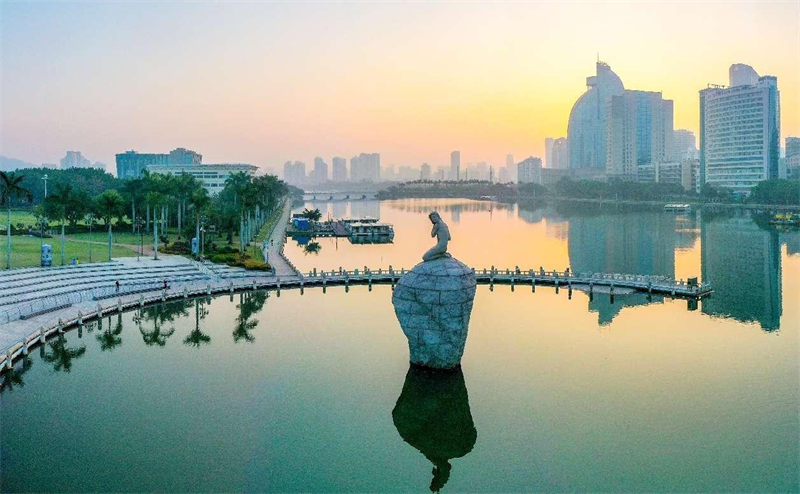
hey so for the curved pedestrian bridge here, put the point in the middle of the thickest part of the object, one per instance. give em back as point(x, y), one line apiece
point(40, 302)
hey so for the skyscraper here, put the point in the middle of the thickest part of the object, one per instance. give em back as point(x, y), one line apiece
point(425, 172)
point(548, 152)
point(586, 131)
point(792, 146)
point(294, 173)
point(559, 154)
point(509, 160)
point(320, 172)
point(366, 167)
point(740, 131)
point(639, 132)
point(455, 165)
point(530, 171)
point(339, 169)
point(183, 156)
point(74, 159)
point(684, 145)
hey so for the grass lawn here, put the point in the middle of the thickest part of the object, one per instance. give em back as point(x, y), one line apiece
point(100, 234)
point(24, 216)
point(25, 251)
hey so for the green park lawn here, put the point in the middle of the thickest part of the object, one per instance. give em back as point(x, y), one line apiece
point(25, 251)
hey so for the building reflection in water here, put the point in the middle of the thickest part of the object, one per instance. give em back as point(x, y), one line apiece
point(432, 414)
point(339, 209)
point(627, 243)
point(743, 263)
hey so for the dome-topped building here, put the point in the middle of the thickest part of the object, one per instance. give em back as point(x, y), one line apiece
point(586, 132)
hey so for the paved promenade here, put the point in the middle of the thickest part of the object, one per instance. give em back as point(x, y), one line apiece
point(67, 294)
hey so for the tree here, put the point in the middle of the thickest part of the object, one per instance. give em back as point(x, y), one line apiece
point(66, 204)
point(109, 205)
point(776, 191)
point(110, 338)
point(134, 191)
point(11, 188)
point(312, 214)
point(61, 356)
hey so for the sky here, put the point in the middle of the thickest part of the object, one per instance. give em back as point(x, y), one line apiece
point(264, 83)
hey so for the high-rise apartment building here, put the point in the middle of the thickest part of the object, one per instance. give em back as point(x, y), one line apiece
point(425, 172)
point(182, 156)
point(529, 171)
point(559, 154)
point(586, 131)
point(455, 165)
point(339, 169)
point(366, 167)
point(509, 160)
point(294, 173)
point(548, 152)
point(792, 146)
point(740, 131)
point(684, 145)
point(320, 172)
point(639, 132)
point(74, 159)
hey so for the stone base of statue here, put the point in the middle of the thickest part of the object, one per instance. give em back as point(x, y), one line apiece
point(433, 303)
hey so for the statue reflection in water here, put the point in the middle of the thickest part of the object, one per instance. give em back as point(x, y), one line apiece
point(432, 415)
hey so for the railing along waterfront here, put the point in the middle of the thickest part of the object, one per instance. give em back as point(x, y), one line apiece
point(109, 300)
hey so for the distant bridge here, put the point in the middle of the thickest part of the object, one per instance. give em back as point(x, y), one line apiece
point(339, 196)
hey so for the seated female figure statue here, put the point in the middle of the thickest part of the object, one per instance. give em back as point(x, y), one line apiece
point(442, 235)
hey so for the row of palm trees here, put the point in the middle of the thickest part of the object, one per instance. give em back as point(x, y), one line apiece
point(154, 202)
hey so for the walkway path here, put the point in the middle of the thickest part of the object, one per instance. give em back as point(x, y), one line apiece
point(273, 248)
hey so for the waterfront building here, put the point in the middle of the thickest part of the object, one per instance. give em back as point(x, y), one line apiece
point(682, 172)
point(339, 169)
point(553, 175)
point(529, 171)
point(639, 132)
point(559, 154)
point(586, 131)
point(211, 176)
point(740, 131)
point(684, 145)
point(425, 172)
point(455, 165)
point(294, 173)
point(366, 167)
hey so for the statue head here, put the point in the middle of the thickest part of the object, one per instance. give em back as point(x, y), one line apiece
point(434, 217)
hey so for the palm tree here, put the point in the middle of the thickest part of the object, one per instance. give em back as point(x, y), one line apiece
point(249, 304)
point(66, 204)
point(134, 190)
point(312, 214)
point(13, 377)
point(11, 188)
point(110, 205)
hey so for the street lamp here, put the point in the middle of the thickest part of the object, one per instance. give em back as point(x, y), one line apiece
point(91, 222)
point(45, 185)
point(138, 223)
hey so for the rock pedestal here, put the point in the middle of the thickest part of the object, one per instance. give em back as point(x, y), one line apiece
point(433, 303)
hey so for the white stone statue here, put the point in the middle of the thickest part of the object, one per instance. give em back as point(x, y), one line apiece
point(442, 235)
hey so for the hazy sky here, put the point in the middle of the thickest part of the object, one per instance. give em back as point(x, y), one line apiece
point(266, 82)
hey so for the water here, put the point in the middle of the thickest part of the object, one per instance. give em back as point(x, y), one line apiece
point(313, 392)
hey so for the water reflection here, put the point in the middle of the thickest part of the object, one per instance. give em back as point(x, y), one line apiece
point(13, 377)
point(110, 338)
point(743, 262)
point(196, 337)
point(250, 303)
point(432, 414)
point(60, 355)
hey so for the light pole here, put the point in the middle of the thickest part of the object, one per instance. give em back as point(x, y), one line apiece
point(91, 222)
point(45, 185)
point(138, 223)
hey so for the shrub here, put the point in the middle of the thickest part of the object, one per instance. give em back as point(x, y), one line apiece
point(255, 265)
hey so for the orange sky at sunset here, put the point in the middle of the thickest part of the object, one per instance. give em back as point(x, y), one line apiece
point(265, 83)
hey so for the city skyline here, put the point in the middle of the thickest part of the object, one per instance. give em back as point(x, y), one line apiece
point(69, 71)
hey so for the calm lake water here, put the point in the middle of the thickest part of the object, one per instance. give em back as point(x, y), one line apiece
point(313, 392)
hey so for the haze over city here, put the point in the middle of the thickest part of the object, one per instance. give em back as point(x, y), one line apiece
point(264, 83)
